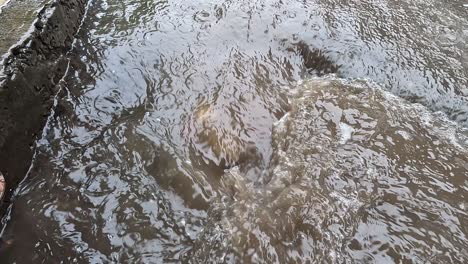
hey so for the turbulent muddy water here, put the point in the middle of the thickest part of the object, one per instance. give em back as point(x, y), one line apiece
point(237, 132)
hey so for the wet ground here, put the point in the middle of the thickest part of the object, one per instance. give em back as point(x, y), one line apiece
point(211, 131)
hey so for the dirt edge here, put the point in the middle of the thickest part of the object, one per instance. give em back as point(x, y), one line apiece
point(28, 83)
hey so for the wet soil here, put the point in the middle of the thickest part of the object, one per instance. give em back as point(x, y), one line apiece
point(29, 77)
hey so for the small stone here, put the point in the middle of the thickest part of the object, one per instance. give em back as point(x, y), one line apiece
point(2, 186)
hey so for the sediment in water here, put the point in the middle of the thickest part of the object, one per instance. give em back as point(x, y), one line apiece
point(29, 79)
point(347, 156)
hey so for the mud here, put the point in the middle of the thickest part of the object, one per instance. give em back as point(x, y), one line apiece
point(28, 82)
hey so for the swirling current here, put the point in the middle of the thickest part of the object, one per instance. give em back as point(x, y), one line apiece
point(315, 131)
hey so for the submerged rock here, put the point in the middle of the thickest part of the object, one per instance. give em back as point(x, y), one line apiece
point(353, 168)
point(220, 144)
point(223, 135)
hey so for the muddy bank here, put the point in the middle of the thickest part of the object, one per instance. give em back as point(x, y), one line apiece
point(29, 79)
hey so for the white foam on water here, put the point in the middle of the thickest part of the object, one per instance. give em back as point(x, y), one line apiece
point(280, 124)
point(346, 132)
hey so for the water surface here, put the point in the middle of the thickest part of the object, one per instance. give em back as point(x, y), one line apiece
point(199, 132)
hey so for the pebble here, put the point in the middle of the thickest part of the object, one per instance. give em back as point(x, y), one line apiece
point(2, 186)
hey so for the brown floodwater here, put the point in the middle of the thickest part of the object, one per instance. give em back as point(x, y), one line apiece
point(253, 132)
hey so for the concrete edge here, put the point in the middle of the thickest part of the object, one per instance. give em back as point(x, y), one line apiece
point(4, 4)
point(28, 82)
point(21, 40)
